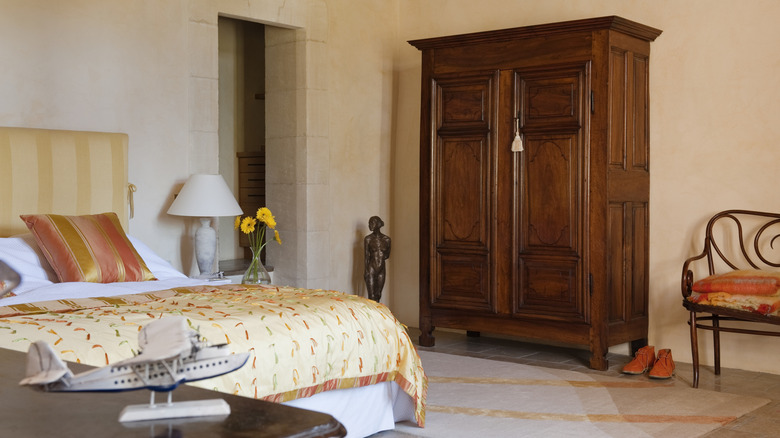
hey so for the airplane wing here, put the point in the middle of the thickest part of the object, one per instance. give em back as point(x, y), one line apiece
point(161, 339)
point(43, 365)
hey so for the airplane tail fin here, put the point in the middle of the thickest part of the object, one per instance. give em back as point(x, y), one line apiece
point(43, 365)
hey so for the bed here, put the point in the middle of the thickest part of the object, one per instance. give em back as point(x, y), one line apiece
point(316, 349)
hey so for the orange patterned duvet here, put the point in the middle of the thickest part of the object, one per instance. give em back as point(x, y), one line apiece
point(302, 341)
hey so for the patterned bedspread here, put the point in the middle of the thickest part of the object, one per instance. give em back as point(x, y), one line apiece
point(302, 341)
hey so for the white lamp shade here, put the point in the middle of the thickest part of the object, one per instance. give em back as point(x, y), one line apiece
point(205, 196)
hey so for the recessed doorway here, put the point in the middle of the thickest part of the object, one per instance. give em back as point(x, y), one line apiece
point(241, 124)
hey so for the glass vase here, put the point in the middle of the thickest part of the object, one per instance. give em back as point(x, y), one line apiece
point(256, 272)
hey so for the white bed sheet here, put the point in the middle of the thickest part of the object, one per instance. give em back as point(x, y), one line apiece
point(57, 291)
point(363, 411)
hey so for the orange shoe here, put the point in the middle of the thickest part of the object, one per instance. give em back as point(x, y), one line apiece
point(643, 360)
point(664, 365)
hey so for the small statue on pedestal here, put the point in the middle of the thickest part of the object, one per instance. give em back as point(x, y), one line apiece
point(377, 250)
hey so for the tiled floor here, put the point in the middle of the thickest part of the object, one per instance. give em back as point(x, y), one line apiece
point(763, 422)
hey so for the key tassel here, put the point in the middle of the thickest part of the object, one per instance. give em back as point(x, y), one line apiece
point(517, 143)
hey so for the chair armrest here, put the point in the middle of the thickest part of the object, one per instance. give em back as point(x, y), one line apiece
point(686, 282)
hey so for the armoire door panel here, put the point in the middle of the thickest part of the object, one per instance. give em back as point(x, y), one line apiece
point(549, 289)
point(463, 282)
point(462, 191)
point(616, 282)
point(617, 109)
point(629, 118)
point(550, 193)
point(640, 151)
point(463, 105)
point(640, 263)
point(551, 97)
point(464, 102)
point(628, 247)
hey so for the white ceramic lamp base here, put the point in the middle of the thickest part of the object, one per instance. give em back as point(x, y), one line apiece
point(205, 246)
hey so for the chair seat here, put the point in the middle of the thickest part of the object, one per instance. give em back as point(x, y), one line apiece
point(732, 314)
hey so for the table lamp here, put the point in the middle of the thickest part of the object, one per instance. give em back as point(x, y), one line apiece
point(205, 196)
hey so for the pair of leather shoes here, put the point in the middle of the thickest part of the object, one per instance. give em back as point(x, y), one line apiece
point(661, 367)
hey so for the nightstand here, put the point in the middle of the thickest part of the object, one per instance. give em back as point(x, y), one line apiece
point(213, 279)
point(222, 280)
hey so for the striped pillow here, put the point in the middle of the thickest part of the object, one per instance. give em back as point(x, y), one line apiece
point(741, 282)
point(91, 248)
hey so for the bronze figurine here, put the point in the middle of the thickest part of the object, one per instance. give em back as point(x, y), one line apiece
point(377, 250)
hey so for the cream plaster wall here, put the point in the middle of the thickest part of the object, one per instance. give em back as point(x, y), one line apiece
point(346, 131)
point(713, 126)
point(106, 66)
point(362, 42)
point(146, 68)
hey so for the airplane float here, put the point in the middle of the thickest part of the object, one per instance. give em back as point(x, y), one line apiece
point(170, 354)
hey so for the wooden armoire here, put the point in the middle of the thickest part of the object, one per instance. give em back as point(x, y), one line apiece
point(549, 242)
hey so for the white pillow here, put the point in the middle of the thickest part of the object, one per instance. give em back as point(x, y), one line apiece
point(159, 266)
point(21, 253)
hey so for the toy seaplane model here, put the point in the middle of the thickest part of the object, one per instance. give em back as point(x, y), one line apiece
point(170, 354)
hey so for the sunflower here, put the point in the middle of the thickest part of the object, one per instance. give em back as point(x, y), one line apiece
point(264, 215)
point(248, 225)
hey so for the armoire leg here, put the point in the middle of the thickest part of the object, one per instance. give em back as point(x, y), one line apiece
point(598, 358)
point(426, 335)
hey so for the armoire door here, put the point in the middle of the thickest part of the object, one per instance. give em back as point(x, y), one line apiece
point(548, 200)
point(463, 156)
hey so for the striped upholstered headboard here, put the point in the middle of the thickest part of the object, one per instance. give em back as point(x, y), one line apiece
point(61, 172)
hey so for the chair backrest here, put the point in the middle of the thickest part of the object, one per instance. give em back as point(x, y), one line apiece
point(742, 239)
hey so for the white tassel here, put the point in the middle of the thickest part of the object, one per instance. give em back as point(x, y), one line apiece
point(517, 143)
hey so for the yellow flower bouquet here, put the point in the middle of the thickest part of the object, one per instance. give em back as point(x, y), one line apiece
point(254, 228)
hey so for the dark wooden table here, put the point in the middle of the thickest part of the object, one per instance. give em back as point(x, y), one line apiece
point(26, 412)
